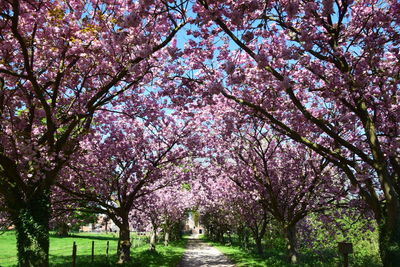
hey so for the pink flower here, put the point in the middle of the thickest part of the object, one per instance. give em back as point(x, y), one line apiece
point(132, 20)
point(229, 67)
point(248, 36)
point(262, 60)
point(215, 88)
point(292, 8)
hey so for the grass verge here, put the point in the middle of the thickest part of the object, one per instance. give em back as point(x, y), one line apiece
point(275, 257)
point(61, 251)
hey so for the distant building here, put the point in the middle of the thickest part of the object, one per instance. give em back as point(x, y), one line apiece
point(103, 224)
point(192, 227)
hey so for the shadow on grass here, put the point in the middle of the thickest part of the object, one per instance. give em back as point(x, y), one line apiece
point(276, 257)
point(155, 258)
point(82, 260)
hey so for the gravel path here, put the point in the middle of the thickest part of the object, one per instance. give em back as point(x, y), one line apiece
point(199, 253)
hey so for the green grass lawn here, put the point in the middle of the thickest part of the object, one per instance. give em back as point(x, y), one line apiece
point(242, 257)
point(61, 251)
point(275, 257)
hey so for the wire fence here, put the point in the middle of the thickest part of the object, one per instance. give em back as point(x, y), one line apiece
point(87, 250)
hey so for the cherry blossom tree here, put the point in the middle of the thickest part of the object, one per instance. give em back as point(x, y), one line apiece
point(216, 212)
point(124, 160)
point(162, 209)
point(60, 62)
point(175, 201)
point(289, 183)
point(226, 208)
point(282, 179)
point(325, 74)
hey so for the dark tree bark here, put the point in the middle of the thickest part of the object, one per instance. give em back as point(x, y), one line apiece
point(389, 239)
point(259, 246)
point(32, 231)
point(291, 243)
point(124, 248)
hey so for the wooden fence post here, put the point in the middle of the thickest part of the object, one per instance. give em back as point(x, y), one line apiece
point(345, 249)
point(108, 246)
point(92, 251)
point(118, 246)
point(74, 254)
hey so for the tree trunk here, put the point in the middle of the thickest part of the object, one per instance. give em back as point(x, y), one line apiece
point(211, 233)
point(259, 232)
point(230, 238)
point(389, 239)
point(221, 237)
point(240, 236)
point(153, 240)
point(166, 238)
point(290, 238)
point(246, 240)
point(260, 249)
point(124, 248)
point(62, 229)
point(32, 231)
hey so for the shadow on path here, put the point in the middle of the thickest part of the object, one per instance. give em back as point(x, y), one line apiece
point(199, 253)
